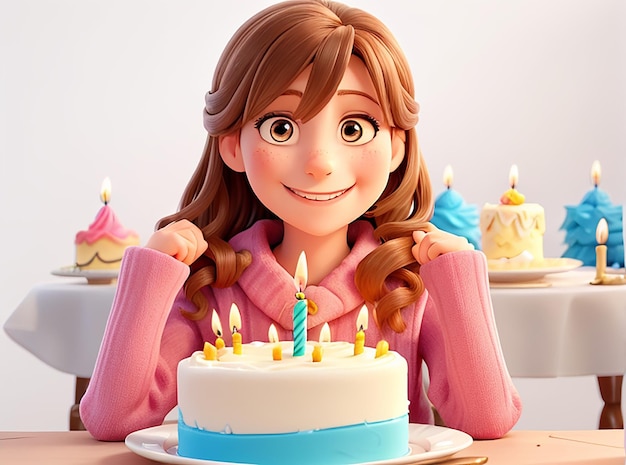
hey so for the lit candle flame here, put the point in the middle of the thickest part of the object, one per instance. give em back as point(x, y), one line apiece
point(216, 325)
point(234, 321)
point(596, 172)
point(602, 231)
point(325, 333)
point(448, 176)
point(513, 176)
point(105, 191)
point(272, 334)
point(362, 319)
point(301, 275)
point(234, 318)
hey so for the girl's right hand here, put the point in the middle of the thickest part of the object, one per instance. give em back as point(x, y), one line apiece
point(181, 239)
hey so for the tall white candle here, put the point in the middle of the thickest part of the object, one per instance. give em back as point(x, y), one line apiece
point(602, 234)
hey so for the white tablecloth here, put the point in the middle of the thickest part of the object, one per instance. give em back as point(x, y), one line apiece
point(570, 328)
point(62, 323)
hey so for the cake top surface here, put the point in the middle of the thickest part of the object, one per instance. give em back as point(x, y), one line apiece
point(258, 356)
point(512, 207)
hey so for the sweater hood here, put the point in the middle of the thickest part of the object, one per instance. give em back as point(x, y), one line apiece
point(271, 288)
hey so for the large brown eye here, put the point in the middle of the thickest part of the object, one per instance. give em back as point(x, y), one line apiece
point(277, 130)
point(358, 130)
point(351, 131)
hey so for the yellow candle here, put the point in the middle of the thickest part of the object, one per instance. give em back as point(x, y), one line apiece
point(359, 343)
point(277, 350)
point(237, 345)
point(382, 348)
point(217, 330)
point(210, 351)
point(361, 326)
point(512, 197)
point(318, 352)
point(602, 234)
point(234, 321)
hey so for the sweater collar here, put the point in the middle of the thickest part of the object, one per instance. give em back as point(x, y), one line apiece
point(271, 288)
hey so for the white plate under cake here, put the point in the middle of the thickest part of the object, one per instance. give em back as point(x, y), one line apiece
point(516, 272)
point(160, 443)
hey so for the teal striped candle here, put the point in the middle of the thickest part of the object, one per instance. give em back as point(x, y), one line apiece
point(299, 325)
point(300, 310)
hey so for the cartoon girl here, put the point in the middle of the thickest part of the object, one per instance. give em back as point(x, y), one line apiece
point(311, 146)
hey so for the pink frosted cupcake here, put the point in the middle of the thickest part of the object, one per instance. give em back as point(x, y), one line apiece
point(102, 246)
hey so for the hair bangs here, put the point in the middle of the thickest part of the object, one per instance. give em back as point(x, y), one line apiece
point(328, 67)
point(314, 36)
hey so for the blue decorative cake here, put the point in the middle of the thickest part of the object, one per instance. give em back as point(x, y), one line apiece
point(580, 226)
point(455, 216)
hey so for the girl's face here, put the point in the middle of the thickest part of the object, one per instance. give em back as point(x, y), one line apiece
point(321, 175)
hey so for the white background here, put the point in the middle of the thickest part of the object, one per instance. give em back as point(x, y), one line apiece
point(115, 88)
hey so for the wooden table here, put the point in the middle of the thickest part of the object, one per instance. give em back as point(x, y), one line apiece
point(598, 447)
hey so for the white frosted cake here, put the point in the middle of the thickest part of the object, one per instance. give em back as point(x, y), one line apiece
point(510, 231)
point(250, 408)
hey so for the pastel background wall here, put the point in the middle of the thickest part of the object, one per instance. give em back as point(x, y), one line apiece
point(90, 89)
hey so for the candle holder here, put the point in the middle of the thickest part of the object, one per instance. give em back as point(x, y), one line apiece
point(607, 279)
point(602, 232)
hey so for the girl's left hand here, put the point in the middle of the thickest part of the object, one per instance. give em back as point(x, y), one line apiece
point(434, 242)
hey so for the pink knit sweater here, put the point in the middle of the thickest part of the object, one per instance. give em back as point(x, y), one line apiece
point(451, 328)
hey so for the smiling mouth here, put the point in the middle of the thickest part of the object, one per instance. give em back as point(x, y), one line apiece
point(318, 197)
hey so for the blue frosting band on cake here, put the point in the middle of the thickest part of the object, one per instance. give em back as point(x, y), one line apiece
point(365, 442)
point(580, 226)
point(453, 215)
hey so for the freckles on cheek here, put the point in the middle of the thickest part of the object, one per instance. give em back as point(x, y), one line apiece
point(371, 158)
point(264, 158)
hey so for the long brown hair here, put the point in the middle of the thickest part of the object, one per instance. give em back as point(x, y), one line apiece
point(260, 61)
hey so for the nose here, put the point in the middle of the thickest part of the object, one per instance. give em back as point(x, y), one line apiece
point(319, 163)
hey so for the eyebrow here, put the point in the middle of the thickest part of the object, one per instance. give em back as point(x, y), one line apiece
point(297, 93)
point(357, 92)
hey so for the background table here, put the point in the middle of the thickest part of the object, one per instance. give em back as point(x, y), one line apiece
point(62, 324)
point(566, 327)
point(599, 447)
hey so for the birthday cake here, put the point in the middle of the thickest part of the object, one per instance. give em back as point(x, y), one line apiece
point(513, 231)
point(102, 245)
point(580, 226)
point(453, 215)
point(250, 408)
